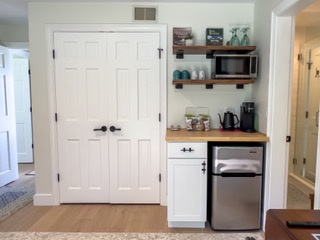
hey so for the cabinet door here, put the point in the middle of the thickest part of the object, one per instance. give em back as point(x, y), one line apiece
point(187, 190)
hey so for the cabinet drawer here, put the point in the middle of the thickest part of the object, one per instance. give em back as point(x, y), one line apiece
point(187, 150)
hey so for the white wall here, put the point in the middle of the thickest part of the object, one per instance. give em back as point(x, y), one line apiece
point(262, 23)
point(198, 16)
point(221, 97)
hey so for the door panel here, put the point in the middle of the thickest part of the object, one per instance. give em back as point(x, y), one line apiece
point(81, 106)
point(134, 80)
point(8, 145)
point(22, 109)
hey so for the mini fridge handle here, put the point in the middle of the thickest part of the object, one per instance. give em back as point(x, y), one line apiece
point(244, 174)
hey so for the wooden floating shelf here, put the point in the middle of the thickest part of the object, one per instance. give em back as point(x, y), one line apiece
point(210, 50)
point(210, 82)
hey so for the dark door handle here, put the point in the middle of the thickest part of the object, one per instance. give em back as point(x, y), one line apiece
point(103, 129)
point(113, 128)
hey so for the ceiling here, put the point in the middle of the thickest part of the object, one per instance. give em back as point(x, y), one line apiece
point(16, 11)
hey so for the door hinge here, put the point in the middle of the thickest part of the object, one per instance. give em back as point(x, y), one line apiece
point(304, 160)
point(299, 56)
point(58, 177)
point(307, 114)
point(159, 117)
point(29, 71)
point(56, 117)
point(31, 109)
point(309, 65)
point(53, 54)
point(32, 145)
point(160, 49)
point(159, 177)
point(288, 139)
point(294, 161)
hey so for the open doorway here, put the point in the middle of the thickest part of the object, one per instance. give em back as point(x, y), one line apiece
point(304, 112)
point(23, 108)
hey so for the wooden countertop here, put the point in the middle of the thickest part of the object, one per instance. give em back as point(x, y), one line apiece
point(214, 135)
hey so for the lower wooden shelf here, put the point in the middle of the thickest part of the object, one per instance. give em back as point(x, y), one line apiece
point(210, 82)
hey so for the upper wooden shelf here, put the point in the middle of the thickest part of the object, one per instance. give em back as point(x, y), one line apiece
point(210, 50)
point(213, 81)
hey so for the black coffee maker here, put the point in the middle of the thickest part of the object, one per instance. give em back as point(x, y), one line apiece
point(247, 117)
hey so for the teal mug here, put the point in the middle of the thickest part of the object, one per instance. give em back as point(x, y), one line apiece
point(176, 74)
point(185, 74)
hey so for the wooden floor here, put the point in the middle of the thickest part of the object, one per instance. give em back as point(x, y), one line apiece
point(89, 217)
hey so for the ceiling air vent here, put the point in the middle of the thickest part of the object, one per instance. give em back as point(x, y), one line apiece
point(145, 14)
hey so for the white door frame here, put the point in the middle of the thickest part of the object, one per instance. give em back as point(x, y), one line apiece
point(281, 65)
point(53, 197)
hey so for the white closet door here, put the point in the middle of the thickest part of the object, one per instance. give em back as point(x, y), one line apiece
point(82, 90)
point(134, 88)
point(117, 86)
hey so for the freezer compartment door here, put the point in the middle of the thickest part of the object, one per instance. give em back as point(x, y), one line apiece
point(237, 159)
point(236, 203)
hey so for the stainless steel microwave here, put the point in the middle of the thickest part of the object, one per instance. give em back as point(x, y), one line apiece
point(234, 66)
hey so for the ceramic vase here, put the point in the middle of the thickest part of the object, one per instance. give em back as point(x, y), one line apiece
point(189, 42)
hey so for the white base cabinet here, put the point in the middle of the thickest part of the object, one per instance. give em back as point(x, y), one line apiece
point(187, 184)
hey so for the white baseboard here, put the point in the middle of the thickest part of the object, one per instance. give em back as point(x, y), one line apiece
point(44, 200)
point(172, 224)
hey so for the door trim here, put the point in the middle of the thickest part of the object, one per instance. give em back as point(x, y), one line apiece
point(282, 21)
point(53, 197)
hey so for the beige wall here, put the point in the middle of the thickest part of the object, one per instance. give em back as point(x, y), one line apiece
point(14, 36)
point(312, 33)
point(14, 33)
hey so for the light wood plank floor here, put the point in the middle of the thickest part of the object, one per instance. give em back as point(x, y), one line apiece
point(89, 217)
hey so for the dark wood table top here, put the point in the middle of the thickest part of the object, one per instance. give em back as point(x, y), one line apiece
point(296, 233)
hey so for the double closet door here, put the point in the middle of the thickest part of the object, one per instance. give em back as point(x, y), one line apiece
point(108, 105)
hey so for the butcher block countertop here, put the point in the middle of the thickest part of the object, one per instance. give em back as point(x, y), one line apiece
point(214, 135)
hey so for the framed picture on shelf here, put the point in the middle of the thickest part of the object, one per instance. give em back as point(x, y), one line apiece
point(179, 35)
point(214, 36)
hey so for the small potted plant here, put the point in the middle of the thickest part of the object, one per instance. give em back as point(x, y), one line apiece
point(189, 39)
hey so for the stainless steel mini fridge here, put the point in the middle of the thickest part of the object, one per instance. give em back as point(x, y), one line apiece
point(236, 187)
